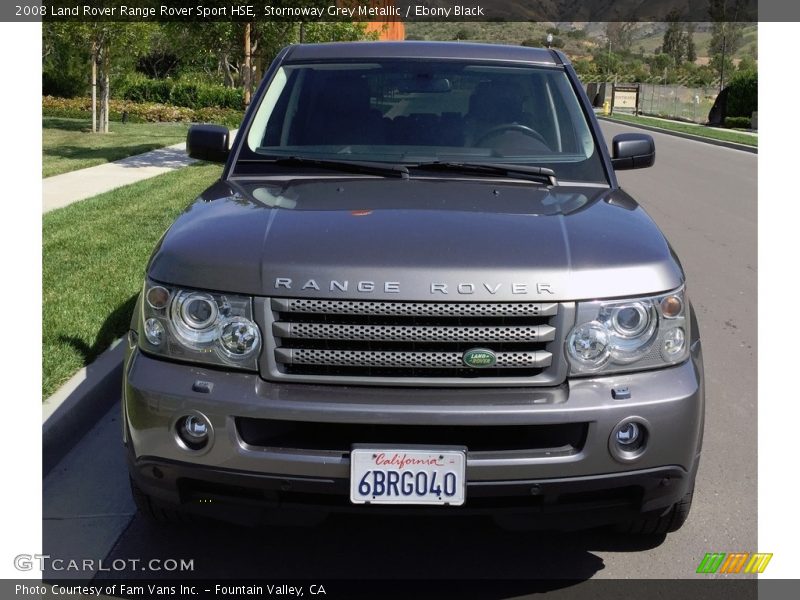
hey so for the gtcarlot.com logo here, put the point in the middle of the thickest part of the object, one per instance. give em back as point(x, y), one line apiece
point(43, 562)
point(734, 562)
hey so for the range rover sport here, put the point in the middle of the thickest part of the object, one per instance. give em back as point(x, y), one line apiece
point(417, 286)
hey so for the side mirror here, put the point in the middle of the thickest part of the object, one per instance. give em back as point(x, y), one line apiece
point(208, 142)
point(632, 151)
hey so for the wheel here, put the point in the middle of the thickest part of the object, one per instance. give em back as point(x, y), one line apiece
point(511, 127)
point(156, 510)
point(655, 523)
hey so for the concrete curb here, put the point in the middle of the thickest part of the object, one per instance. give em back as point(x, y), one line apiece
point(71, 412)
point(687, 136)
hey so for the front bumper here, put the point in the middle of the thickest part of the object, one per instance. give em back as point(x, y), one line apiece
point(584, 474)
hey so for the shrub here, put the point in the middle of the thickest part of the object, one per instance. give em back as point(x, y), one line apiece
point(742, 95)
point(138, 88)
point(63, 83)
point(194, 94)
point(737, 122)
point(189, 93)
point(542, 42)
point(81, 108)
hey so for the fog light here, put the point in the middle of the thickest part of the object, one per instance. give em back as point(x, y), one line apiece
point(628, 434)
point(628, 439)
point(193, 431)
point(195, 428)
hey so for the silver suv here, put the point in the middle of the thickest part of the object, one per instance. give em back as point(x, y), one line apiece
point(416, 287)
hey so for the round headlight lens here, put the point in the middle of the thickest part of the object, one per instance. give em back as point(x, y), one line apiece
point(588, 344)
point(194, 319)
point(199, 311)
point(674, 343)
point(630, 320)
point(239, 338)
point(154, 331)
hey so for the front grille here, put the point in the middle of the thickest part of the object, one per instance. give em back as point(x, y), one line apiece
point(408, 343)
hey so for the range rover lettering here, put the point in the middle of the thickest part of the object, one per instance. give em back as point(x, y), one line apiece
point(417, 287)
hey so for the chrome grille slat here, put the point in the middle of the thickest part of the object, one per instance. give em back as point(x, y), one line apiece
point(414, 343)
point(414, 309)
point(415, 333)
point(405, 360)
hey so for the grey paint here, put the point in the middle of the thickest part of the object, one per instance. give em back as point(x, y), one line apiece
point(566, 243)
point(422, 51)
point(671, 400)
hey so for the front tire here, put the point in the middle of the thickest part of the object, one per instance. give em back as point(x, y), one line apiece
point(661, 524)
point(158, 511)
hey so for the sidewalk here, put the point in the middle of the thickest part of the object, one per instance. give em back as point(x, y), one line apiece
point(61, 190)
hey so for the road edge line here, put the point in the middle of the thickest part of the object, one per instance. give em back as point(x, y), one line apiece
point(687, 136)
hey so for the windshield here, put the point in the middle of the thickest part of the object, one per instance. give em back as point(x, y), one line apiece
point(416, 112)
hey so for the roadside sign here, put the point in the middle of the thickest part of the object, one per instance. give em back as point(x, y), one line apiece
point(625, 98)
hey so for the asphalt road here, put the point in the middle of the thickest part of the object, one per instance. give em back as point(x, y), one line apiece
point(704, 198)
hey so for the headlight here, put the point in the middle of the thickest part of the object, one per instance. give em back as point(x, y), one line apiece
point(627, 335)
point(199, 326)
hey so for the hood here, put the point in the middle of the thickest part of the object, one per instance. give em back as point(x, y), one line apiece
point(416, 240)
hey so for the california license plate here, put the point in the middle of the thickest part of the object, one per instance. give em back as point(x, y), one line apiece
point(407, 476)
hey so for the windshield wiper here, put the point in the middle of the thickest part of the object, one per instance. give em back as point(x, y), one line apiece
point(348, 166)
point(539, 173)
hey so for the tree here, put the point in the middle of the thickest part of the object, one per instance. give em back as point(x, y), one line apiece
point(747, 65)
point(585, 67)
point(212, 47)
point(109, 45)
point(620, 35)
point(661, 65)
point(608, 63)
point(64, 62)
point(743, 94)
point(726, 34)
point(221, 48)
point(690, 50)
point(673, 43)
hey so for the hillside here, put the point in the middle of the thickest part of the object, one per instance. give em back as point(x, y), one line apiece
point(647, 36)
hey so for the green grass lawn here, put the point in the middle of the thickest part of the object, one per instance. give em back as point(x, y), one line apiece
point(69, 144)
point(708, 132)
point(94, 253)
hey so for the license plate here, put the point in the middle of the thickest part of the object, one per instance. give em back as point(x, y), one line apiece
point(407, 476)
